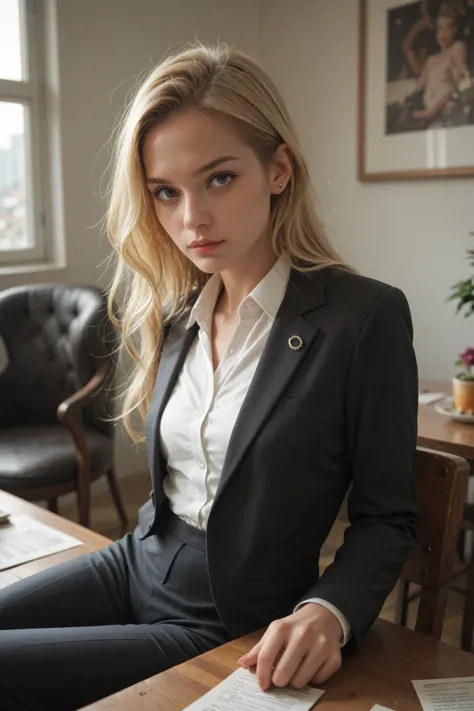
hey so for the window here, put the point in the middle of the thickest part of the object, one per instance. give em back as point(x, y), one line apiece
point(22, 212)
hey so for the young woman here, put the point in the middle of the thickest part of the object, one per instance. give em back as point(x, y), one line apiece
point(425, 28)
point(272, 378)
point(443, 71)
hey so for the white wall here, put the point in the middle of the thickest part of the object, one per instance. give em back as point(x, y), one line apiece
point(410, 234)
point(103, 46)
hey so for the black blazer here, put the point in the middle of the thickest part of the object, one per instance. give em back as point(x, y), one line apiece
point(341, 411)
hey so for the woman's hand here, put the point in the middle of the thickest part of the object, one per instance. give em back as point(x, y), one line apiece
point(296, 650)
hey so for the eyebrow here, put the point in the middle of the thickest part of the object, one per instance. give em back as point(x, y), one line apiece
point(204, 169)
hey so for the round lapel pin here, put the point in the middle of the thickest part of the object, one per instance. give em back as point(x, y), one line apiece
point(296, 343)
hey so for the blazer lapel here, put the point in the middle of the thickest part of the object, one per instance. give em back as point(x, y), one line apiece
point(277, 366)
point(175, 349)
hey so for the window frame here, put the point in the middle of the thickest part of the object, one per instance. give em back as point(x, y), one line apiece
point(30, 92)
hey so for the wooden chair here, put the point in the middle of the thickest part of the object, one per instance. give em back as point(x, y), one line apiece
point(55, 433)
point(467, 630)
point(440, 489)
point(467, 571)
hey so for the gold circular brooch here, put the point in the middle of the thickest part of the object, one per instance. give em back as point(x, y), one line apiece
point(296, 343)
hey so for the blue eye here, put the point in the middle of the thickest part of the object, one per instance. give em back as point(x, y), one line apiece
point(218, 180)
point(223, 179)
point(162, 195)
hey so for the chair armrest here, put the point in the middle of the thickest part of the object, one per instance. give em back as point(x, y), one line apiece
point(68, 409)
point(67, 414)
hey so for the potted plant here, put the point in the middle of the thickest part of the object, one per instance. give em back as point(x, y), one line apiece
point(463, 383)
point(463, 291)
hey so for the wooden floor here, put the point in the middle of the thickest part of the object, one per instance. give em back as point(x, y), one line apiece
point(135, 490)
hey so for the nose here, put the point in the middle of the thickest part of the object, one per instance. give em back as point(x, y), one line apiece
point(196, 213)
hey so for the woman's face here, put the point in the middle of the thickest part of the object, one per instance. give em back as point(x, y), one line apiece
point(210, 191)
point(446, 32)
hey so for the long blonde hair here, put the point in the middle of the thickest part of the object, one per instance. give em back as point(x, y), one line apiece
point(153, 278)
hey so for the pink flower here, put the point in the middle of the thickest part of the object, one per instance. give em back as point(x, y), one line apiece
point(468, 357)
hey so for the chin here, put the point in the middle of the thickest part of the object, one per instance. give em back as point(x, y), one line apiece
point(207, 269)
point(209, 265)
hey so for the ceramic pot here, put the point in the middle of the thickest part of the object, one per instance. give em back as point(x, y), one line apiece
point(463, 394)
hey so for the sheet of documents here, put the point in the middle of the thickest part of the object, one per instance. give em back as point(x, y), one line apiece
point(24, 539)
point(446, 694)
point(428, 398)
point(379, 708)
point(241, 691)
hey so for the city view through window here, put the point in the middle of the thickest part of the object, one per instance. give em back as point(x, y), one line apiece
point(13, 184)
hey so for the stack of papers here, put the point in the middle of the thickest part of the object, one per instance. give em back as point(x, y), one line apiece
point(24, 539)
point(429, 398)
point(446, 694)
point(241, 691)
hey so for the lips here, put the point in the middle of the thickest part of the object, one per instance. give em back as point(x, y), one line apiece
point(203, 243)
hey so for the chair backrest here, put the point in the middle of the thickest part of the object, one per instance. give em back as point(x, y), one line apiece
point(440, 489)
point(56, 336)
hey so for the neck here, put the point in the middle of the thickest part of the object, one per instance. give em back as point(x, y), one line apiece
point(240, 280)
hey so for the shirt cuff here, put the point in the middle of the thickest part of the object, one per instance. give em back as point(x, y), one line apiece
point(346, 628)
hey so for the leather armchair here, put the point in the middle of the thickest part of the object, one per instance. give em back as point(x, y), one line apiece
point(54, 433)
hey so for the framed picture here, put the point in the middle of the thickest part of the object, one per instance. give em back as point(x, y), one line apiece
point(416, 89)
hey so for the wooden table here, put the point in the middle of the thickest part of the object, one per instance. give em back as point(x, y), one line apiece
point(92, 541)
point(381, 673)
point(441, 433)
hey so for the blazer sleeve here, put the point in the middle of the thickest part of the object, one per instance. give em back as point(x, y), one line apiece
point(381, 430)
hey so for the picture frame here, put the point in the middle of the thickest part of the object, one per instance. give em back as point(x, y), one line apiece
point(416, 89)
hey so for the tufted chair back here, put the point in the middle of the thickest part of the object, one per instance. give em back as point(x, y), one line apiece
point(56, 336)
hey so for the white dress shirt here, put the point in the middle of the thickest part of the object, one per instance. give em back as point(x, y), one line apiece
point(201, 412)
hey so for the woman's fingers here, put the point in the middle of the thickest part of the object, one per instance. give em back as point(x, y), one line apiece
point(325, 672)
point(307, 659)
point(301, 648)
point(250, 659)
point(273, 642)
point(294, 656)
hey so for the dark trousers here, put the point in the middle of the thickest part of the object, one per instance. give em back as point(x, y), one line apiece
point(92, 626)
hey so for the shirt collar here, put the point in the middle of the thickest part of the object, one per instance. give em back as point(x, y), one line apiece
point(205, 303)
point(268, 294)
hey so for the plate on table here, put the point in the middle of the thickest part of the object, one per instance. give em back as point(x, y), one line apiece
point(446, 407)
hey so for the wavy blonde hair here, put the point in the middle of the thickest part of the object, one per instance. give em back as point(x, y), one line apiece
point(153, 278)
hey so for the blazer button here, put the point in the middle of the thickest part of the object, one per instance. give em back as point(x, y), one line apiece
point(152, 494)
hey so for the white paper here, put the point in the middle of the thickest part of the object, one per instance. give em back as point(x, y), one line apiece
point(24, 539)
point(428, 398)
point(446, 694)
point(241, 691)
point(380, 708)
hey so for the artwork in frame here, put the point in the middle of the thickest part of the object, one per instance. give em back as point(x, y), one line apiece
point(416, 89)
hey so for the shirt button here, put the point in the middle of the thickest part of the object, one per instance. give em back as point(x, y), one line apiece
point(202, 465)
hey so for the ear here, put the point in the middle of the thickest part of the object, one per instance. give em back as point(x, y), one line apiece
point(281, 169)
